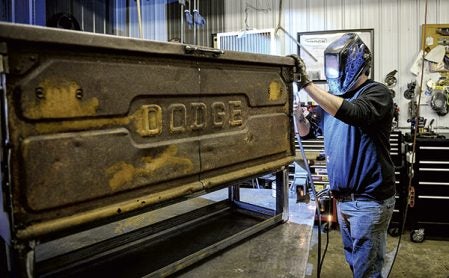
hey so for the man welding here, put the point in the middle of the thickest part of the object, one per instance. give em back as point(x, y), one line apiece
point(356, 118)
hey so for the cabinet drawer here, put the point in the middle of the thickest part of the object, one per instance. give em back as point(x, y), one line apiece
point(396, 148)
point(433, 173)
point(431, 210)
point(429, 190)
point(432, 153)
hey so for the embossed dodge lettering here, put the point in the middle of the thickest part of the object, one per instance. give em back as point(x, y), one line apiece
point(192, 116)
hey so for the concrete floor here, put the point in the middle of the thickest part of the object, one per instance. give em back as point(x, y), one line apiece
point(280, 252)
point(287, 250)
point(428, 259)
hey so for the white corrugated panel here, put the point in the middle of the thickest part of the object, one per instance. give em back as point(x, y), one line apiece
point(443, 14)
point(133, 24)
point(316, 15)
point(233, 12)
point(250, 14)
point(387, 59)
point(334, 15)
point(154, 19)
point(254, 41)
point(397, 32)
point(120, 18)
point(352, 14)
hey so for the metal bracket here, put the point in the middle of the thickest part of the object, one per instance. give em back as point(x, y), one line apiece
point(3, 58)
point(411, 194)
point(288, 74)
point(5, 152)
point(196, 50)
point(3, 65)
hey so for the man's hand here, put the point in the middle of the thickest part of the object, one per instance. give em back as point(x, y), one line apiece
point(328, 102)
point(302, 123)
point(298, 112)
point(301, 70)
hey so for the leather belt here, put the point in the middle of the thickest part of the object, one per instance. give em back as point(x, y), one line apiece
point(350, 197)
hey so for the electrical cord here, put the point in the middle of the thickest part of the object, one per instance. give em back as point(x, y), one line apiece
point(318, 212)
point(412, 162)
point(327, 190)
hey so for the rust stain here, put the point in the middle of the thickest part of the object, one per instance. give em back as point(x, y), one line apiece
point(274, 90)
point(148, 120)
point(59, 100)
point(51, 127)
point(84, 124)
point(103, 212)
point(127, 225)
point(123, 173)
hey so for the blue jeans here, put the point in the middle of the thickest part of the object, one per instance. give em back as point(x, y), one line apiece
point(363, 226)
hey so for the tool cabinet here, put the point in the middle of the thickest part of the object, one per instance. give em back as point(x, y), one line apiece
point(430, 203)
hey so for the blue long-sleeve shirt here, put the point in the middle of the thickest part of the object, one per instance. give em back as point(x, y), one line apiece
point(357, 143)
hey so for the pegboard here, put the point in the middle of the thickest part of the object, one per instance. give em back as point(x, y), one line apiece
point(433, 35)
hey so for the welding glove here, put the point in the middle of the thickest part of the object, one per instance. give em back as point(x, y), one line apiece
point(189, 18)
point(301, 71)
point(198, 18)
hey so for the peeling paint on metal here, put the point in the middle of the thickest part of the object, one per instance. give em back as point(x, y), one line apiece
point(59, 98)
point(148, 120)
point(274, 90)
point(52, 127)
point(41, 228)
point(122, 173)
point(84, 124)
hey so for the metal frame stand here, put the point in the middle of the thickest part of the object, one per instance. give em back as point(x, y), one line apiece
point(152, 237)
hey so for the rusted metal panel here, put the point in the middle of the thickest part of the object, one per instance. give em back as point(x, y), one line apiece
point(101, 125)
point(260, 109)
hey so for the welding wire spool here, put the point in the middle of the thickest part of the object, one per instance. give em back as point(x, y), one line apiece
point(412, 162)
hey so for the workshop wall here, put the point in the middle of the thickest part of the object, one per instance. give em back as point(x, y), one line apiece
point(397, 33)
point(396, 23)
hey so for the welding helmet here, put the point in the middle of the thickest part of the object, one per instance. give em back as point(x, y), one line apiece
point(345, 59)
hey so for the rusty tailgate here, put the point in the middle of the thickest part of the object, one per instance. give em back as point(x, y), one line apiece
point(100, 125)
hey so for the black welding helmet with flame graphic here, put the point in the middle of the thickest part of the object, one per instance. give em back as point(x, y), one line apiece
point(345, 59)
